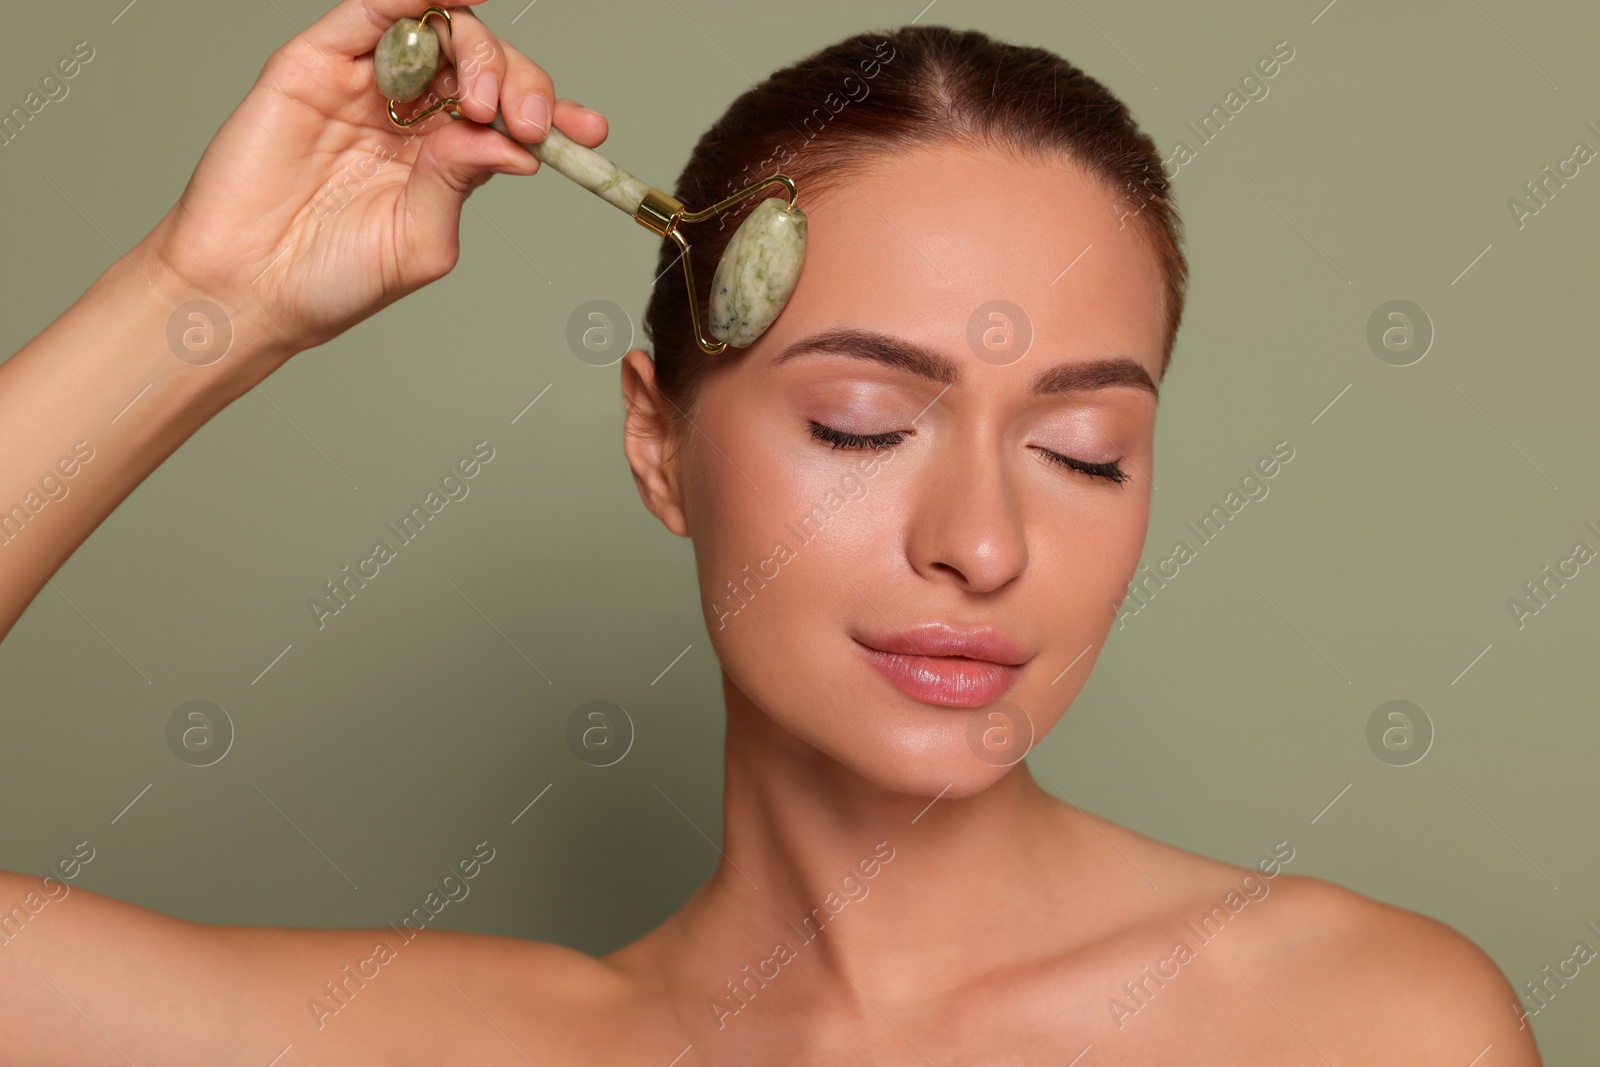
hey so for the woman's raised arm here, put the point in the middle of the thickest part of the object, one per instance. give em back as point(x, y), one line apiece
point(307, 213)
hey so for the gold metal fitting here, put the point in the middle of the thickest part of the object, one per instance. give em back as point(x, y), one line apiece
point(662, 213)
point(450, 102)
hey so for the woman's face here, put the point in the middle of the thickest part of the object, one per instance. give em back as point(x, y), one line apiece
point(810, 556)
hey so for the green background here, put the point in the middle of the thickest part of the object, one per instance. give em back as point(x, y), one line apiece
point(1226, 716)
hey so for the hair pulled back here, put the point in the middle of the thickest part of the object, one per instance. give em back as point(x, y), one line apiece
point(833, 113)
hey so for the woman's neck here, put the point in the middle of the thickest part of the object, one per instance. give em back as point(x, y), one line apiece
point(897, 895)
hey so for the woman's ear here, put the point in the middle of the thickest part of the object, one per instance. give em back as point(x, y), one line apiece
point(648, 442)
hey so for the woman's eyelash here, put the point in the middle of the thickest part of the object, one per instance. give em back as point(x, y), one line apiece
point(1111, 472)
point(841, 439)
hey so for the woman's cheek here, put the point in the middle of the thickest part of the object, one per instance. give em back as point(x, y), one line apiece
point(745, 545)
point(1120, 541)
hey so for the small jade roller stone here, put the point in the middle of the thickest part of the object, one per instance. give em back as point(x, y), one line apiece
point(756, 274)
point(406, 59)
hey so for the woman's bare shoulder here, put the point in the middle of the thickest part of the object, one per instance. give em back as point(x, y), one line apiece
point(1384, 982)
point(1356, 976)
point(456, 996)
point(510, 996)
point(159, 987)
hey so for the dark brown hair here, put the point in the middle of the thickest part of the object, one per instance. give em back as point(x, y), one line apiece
point(838, 110)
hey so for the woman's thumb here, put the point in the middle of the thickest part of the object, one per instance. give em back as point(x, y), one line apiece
point(454, 161)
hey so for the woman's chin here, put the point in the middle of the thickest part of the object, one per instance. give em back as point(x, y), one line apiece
point(892, 741)
point(950, 779)
point(941, 764)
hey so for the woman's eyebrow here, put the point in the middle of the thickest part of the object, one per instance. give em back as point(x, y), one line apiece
point(909, 356)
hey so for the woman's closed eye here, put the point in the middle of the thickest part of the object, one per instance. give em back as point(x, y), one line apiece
point(1111, 472)
point(845, 439)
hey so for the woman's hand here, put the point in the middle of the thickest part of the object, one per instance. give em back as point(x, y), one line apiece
point(310, 211)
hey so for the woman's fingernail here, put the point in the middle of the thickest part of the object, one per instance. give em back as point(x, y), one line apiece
point(486, 90)
point(536, 111)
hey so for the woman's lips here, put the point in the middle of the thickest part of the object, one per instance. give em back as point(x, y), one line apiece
point(953, 681)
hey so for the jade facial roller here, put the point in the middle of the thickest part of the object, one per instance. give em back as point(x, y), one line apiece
point(757, 272)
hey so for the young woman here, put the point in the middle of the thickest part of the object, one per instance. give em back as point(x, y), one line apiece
point(914, 502)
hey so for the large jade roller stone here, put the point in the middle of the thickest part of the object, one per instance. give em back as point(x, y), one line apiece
point(406, 59)
point(758, 272)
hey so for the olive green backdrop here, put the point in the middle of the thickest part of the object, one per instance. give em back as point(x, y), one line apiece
point(1231, 712)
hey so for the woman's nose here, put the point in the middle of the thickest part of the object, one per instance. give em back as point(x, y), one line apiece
point(967, 524)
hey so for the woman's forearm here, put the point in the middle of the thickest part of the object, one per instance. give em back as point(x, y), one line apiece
point(97, 401)
point(248, 268)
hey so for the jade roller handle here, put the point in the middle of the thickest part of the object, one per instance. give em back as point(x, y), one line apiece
point(404, 64)
point(758, 269)
point(583, 165)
